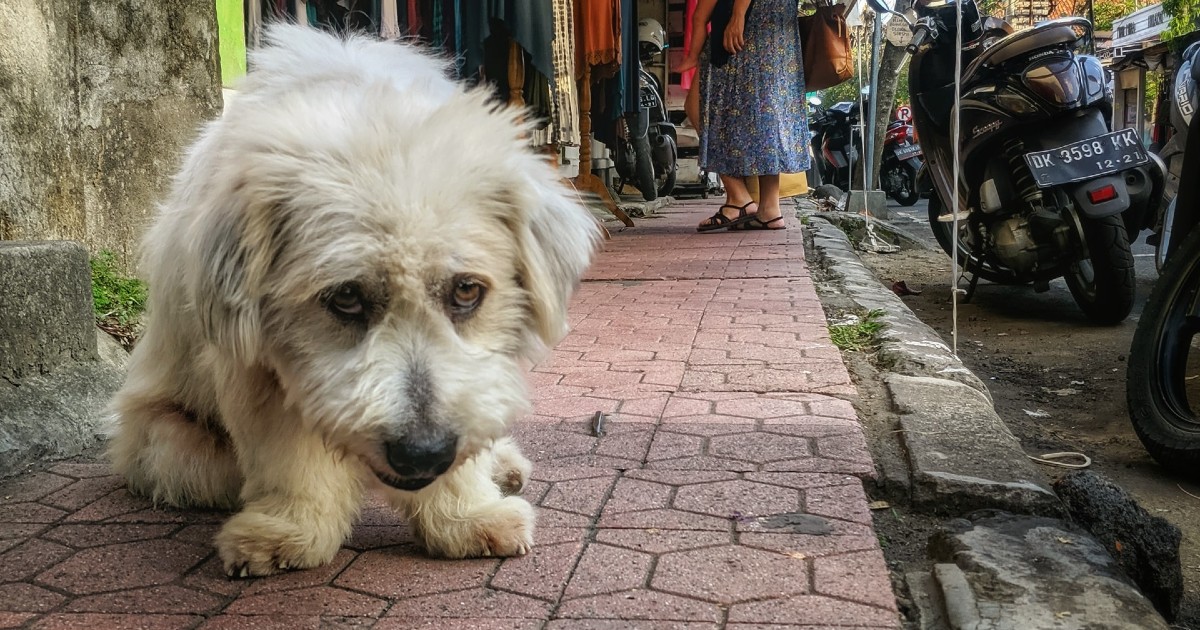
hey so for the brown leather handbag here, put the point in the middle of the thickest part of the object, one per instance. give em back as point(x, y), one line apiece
point(826, 43)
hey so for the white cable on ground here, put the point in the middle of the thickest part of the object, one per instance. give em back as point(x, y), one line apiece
point(1052, 459)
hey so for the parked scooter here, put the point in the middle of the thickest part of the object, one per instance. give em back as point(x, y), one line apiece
point(1183, 104)
point(1158, 386)
point(901, 162)
point(1044, 181)
point(648, 153)
point(835, 141)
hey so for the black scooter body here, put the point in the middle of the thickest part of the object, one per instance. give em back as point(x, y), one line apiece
point(1041, 193)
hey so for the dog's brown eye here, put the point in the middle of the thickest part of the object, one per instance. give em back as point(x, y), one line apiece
point(468, 293)
point(347, 301)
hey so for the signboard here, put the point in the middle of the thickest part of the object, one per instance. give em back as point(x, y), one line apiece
point(1140, 26)
point(897, 32)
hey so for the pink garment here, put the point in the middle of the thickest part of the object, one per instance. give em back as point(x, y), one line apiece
point(685, 79)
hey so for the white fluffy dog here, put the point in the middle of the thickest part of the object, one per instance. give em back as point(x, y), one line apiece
point(346, 284)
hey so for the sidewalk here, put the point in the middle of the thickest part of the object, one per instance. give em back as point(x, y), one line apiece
point(725, 492)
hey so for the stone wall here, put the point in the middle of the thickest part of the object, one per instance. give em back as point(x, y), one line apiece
point(97, 100)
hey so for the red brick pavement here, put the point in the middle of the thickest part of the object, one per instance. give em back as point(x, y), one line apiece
point(726, 492)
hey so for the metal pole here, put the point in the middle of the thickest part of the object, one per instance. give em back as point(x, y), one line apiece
point(869, 164)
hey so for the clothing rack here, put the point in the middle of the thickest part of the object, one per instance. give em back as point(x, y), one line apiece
point(587, 180)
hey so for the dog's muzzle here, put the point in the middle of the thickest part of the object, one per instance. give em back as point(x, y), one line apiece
point(418, 458)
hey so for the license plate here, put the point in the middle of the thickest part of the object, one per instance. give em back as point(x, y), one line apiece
point(906, 151)
point(1087, 159)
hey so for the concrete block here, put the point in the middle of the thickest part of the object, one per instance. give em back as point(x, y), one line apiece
point(46, 307)
point(57, 370)
point(1006, 572)
point(961, 454)
point(872, 201)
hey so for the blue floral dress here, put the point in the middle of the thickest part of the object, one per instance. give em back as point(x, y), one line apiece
point(755, 117)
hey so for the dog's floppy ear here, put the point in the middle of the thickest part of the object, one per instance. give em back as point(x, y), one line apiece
point(234, 250)
point(558, 238)
point(229, 316)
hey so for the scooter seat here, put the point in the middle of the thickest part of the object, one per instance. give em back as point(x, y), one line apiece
point(1044, 35)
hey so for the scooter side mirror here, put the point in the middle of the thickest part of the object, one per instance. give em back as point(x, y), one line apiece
point(879, 6)
point(883, 6)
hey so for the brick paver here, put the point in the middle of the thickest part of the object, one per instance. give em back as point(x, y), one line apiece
point(725, 493)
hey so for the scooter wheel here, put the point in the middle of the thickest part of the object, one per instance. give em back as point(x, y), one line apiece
point(1157, 379)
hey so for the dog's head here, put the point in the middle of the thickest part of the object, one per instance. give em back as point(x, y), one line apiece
point(386, 242)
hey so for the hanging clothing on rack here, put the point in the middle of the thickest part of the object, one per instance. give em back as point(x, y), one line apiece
point(254, 23)
point(414, 17)
point(598, 36)
point(685, 79)
point(530, 23)
point(506, 61)
point(617, 95)
point(389, 20)
point(564, 127)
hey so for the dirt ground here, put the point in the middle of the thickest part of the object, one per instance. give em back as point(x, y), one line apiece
point(1059, 384)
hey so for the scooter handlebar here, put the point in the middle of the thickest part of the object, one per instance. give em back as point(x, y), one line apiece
point(923, 30)
point(920, 33)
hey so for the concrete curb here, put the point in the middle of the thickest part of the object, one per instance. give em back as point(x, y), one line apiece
point(962, 457)
point(960, 453)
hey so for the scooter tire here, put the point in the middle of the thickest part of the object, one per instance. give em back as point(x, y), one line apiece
point(1156, 377)
point(913, 195)
point(1107, 298)
point(644, 168)
point(672, 170)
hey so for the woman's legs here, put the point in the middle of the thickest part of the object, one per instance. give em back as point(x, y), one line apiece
point(767, 212)
point(768, 195)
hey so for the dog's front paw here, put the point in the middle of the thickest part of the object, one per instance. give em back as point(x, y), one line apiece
point(507, 529)
point(252, 544)
point(511, 469)
point(503, 528)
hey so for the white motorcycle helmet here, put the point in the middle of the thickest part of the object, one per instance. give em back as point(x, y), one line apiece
point(652, 38)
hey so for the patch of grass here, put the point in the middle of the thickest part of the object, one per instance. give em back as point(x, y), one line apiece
point(859, 334)
point(119, 299)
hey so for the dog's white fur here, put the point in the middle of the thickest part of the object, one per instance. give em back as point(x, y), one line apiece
point(347, 160)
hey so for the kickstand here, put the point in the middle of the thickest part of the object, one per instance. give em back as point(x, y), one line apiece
point(972, 281)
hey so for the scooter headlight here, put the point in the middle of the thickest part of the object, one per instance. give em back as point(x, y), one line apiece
point(1055, 81)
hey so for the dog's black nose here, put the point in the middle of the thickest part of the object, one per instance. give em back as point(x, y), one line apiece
point(422, 456)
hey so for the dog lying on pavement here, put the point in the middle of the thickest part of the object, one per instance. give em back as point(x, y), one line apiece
point(354, 267)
